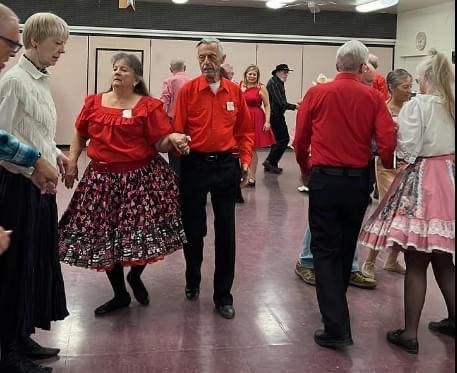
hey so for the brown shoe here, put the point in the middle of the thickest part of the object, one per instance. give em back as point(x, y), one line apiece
point(395, 267)
point(306, 274)
point(368, 269)
point(359, 280)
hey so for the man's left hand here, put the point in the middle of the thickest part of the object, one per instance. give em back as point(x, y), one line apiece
point(62, 163)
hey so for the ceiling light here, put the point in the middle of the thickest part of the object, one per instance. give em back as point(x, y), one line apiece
point(180, 1)
point(275, 4)
point(373, 6)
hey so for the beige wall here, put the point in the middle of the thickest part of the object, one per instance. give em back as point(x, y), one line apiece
point(75, 74)
point(437, 22)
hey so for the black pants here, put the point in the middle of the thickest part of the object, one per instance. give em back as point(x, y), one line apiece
point(337, 206)
point(281, 133)
point(218, 174)
point(175, 162)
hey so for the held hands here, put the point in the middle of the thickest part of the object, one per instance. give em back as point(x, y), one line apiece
point(71, 173)
point(180, 142)
point(266, 127)
point(45, 177)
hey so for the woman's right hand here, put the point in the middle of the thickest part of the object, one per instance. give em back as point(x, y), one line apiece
point(71, 173)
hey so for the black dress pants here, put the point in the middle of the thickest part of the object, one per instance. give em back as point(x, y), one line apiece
point(219, 175)
point(337, 205)
point(281, 133)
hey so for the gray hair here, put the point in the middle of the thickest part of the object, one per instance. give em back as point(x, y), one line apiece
point(373, 59)
point(211, 40)
point(396, 78)
point(41, 26)
point(177, 65)
point(351, 55)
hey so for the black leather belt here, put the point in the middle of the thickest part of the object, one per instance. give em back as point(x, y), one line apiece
point(339, 171)
point(213, 157)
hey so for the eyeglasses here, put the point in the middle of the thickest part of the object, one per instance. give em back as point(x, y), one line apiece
point(15, 46)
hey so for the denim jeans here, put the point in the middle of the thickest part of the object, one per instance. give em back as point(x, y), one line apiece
point(306, 257)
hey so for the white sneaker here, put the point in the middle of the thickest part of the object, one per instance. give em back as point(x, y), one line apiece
point(303, 189)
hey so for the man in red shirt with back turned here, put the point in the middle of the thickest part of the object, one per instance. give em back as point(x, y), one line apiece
point(339, 120)
point(212, 111)
point(379, 82)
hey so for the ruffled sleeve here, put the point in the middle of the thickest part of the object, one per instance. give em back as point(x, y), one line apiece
point(82, 122)
point(410, 131)
point(157, 123)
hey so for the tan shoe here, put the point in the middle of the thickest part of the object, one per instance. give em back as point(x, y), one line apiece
point(359, 280)
point(306, 274)
point(368, 269)
point(394, 267)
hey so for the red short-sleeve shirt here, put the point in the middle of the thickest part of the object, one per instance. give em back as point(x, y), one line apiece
point(118, 135)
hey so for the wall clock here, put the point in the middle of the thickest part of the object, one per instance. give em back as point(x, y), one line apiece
point(421, 41)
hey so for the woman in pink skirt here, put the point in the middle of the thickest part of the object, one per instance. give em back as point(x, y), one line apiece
point(418, 213)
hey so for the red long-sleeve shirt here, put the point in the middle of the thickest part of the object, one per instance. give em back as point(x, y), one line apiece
point(380, 84)
point(215, 122)
point(339, 120)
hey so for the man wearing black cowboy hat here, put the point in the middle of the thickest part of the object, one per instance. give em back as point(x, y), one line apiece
point(279, 105)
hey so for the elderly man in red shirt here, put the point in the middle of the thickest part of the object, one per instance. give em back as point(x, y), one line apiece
point(212, 111)
point(339, 120)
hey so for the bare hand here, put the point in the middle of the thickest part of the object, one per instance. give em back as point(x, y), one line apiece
point(62, 163)
point(71, 173)
point(4, 240)
point(244, 175)
point(402, 165)
point(45, 176)
point(180, 142)
point(266, 127)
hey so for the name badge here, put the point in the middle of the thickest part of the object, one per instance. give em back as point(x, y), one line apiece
point(127, 113)
point(230, 106)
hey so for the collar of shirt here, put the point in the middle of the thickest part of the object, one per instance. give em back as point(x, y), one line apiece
point(203, 84)
point(29, 66)
point(277, 80)
point(348, 76)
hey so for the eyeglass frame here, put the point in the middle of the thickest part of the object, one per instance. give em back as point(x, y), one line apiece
point(15, 46)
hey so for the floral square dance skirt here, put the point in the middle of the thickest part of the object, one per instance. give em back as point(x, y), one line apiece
point(418, 211)
point(130, 218)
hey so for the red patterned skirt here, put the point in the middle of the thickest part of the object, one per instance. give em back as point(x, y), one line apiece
point(116, 215)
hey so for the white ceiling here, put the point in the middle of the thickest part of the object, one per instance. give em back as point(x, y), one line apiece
point(342, 5)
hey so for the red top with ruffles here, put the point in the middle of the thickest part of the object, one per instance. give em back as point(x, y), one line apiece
point(118, 135)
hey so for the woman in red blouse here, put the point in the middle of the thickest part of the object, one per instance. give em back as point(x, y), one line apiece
point(125, 210)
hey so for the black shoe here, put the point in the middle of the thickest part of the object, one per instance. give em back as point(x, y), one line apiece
point(324, 339)
point(446, 327)
point(268, 167)
point(114, 304)
point(226, 311)
point(139, 291)
point(409, 345)
point(192, 293)
point(28, 347)
point(22, 365)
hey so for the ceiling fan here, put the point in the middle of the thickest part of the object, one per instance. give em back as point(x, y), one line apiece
point(312, 5)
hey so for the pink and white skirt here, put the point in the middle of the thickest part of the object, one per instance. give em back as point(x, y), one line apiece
point(418, 211)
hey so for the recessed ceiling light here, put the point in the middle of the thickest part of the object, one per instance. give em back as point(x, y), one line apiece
point(276, 4)
point(180, 1)
point(373, 6)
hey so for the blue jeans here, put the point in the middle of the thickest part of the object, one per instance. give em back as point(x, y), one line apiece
point(306, 257)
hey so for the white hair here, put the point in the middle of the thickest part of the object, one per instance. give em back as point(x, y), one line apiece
point(177, 65)
point(351, 55)
point(41, 26)
point(211, 40)
point(374, 60)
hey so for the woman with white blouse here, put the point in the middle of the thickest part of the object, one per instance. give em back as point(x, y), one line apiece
point(418, 213)
point(32, 290)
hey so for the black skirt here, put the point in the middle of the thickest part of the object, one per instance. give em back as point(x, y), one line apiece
point(32, 292)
